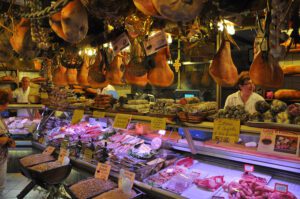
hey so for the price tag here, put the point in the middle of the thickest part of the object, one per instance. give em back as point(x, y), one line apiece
point(226, 130)
point(88, 154)
point(44, 95)
point(102, 171)
point(77, 116)
point(248, 168)
point(283, 188)
point(155, 43)
point(49, 150)
point(3, 126)
point(121, 121)
point(98, 114)
point(130, 176)
point(62, 154)
point(120, 43)
point(158, 123)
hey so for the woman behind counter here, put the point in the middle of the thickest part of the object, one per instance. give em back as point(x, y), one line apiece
point(246, 95)
point(5, 141)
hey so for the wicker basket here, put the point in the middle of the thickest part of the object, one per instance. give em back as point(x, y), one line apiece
point(189, 117)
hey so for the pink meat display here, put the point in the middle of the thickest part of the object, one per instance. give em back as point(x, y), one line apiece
point(250, 176)
point(211, 183)
point(249, 188)
point(186, 162)
point(163, 176)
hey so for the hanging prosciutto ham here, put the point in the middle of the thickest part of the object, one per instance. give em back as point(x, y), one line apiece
point(184, 10)
point(96, 74)
point(135, 70)
point(84, 72)
point(21, 40)
point(146, 7)
point(266, 73)
point(114, 72)
point(71, 24)
point(72, 76)
point(59, 76)
point(222, 68)
point(161, 75)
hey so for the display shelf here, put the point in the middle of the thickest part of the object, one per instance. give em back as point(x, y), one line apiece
point(26, 106)
point(208, 126)
point(237, 152)
point(272, 125)
point(91, 167)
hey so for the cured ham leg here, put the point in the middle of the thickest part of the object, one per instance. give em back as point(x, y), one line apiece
point(266, 73)
point(114, 73)
point(222, 68)
point(59, 77)
point(96, 74)
point(161, 75)
point(71, 24)
point(72, 76)
point(84, 72)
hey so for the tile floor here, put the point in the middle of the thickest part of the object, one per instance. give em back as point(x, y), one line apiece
point(15, 182)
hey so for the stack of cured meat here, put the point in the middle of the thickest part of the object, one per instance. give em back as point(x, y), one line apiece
point(103, 102)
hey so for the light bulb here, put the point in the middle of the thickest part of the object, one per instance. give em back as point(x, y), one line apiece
point(169, 39)
point(105, 45)
point(230, 29)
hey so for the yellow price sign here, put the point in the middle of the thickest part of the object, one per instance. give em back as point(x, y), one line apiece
point(77, 116)
point(62, 154)
point(158, 123)
point(44, 95)
point(121, 121)
point(226, 130)
point(130, 176)
point(98, 114)
point(102, 171)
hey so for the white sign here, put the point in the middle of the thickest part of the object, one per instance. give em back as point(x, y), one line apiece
point(120, 43)
point(155, 43)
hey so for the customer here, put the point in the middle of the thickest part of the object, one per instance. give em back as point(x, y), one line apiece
point(5, 141)
point(21, 96)
point(246, 95)
point(110, 90)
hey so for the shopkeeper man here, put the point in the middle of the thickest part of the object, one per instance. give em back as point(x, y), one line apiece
point(21, 95)
point(246, 95)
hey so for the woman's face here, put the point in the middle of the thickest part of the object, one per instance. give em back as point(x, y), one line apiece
point(248, 87)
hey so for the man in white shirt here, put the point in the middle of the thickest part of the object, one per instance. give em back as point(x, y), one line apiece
point(246, 95)
point(21, 96)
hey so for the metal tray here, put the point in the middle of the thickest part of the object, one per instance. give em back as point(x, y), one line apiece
point(139, 193)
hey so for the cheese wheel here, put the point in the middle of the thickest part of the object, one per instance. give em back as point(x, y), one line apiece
point(287, 94)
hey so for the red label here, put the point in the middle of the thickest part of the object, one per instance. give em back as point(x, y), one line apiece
point(248, 168)
point(219, 179)
point(283, 188)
